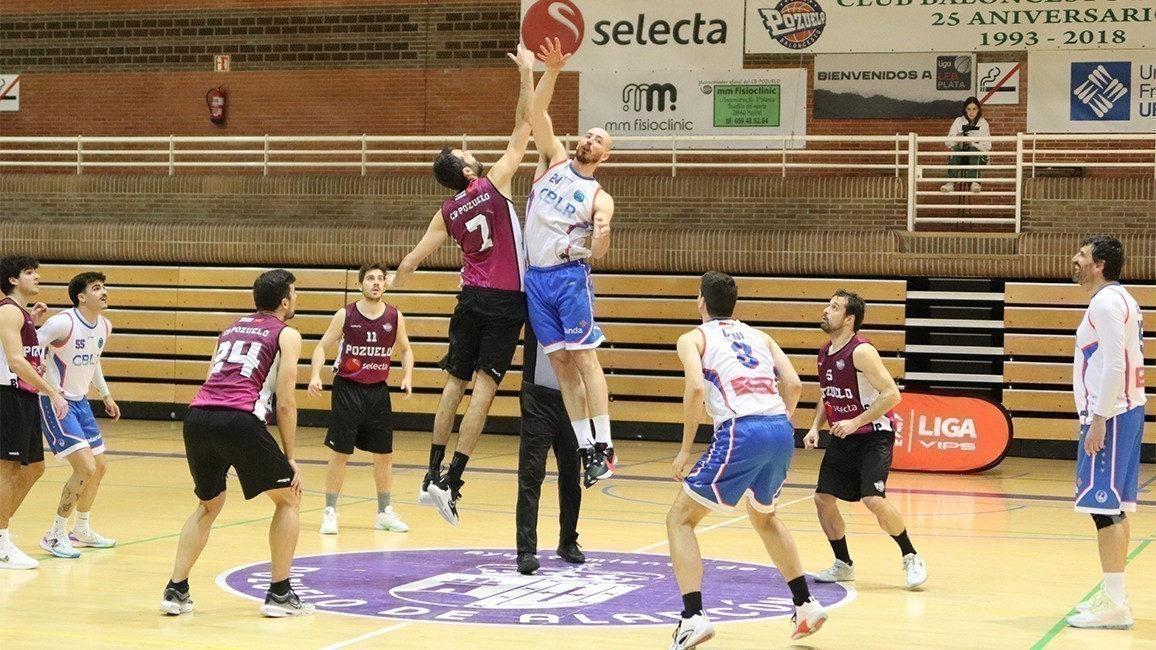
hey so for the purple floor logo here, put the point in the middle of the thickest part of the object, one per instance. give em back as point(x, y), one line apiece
point(482, 586)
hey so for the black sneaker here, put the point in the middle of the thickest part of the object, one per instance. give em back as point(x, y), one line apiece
point(174, 603)
point(570, 553)
point(527, 563)
point(288, 605)
point(601, 465)
point(445, 497)
point(587, 456)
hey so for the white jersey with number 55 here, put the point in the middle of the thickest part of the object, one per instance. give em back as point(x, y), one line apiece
point(739, 371)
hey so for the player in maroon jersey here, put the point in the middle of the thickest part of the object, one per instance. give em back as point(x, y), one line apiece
point(256, 358)
point(367, 334)
point(491, 307)
point(857, 397)
point(21, 446)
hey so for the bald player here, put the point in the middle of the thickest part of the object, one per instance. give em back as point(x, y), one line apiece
point(567, 223)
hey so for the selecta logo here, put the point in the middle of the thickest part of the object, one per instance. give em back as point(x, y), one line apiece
point(481, 586)
point(560, 19)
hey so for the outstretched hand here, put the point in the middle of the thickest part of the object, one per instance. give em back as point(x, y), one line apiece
point(551, 54)
point(523, 57)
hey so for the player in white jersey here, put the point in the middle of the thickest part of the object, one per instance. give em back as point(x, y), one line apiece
point(750, 389)
point(1108, 382)
point(73, 341)
point(567, 223)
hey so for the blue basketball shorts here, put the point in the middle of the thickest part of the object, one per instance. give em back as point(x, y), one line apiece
point(76, 430)
point(560, 304)
point(1107, 483)
point(748, 455)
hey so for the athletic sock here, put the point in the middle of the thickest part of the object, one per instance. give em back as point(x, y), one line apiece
point(1114, 587)
point(437, 453)
point(602, 429)
point(840, 548)
point(331, 500)
point(799, 591)
point(383, 501)
point(280, 588)
point(904, 544)
point(3, 537)
point(691, 604)
point(582, 433)
point(59, 526)
point(181, 587)
point(81, 524)
point(457, 466)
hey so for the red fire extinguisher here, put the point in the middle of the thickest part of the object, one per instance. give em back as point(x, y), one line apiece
point(215, 99)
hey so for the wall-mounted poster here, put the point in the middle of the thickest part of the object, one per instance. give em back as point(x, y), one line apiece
point(892, 85)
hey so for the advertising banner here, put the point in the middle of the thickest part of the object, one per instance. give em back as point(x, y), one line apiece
point(813, 26)
point(728, 104)
point(945, 433)
point(639, 35)
point(892, 85)
point(1092, 91)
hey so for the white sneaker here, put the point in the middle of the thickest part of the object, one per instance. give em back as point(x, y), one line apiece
point(808, 618)
point(976, 188)
point(947, 187)
point(90, 538)
point(329, 521)
point(1091, 602)
point(915, 569)
point(840, 571)
point(13, 558)
point(59, 546)
point(391, 521)
point(285, 606)
point(1103, 613)
point(692, 632)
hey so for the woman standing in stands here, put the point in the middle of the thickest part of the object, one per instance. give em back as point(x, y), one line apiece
point(974, 132)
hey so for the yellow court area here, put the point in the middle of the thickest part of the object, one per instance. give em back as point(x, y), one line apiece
point(1007, 557)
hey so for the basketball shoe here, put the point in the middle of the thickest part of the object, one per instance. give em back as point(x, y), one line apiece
point(174, 603)
point(283, 606)
point(445, 498)
point(1091, 602)
point(423, 497)
point(840, 571)
point(1103, 613)
point(391, 521)
point(59, 546)
point(89, 537)
point(13, 558)
point(329, 521)
point(915, 569)
point(692, 632)
point(808, 618)
point(601, 464)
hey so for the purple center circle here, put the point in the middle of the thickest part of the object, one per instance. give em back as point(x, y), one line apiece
point(481, 586)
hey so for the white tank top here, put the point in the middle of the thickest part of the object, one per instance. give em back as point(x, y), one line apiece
point(70, 365)
point(559, 216)
point(739, 372)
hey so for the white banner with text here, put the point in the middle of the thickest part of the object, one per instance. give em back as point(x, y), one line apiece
point(728, 104)
point(783, 26)
point(1092, 92)
point(888, 86)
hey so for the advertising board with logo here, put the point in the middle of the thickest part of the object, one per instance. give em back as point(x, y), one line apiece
point(1092, 92)
point(948, 433)
point(724, 104)
point(892, 85)
point(635, 34)
point(481, 586)
point(783, 26)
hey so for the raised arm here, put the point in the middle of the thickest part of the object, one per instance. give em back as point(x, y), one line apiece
point(503, 171)
point(544, 139)
point(317, 361)
point(434, 236)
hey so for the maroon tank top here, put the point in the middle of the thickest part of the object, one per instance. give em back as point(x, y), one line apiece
point(846, 391)
point(244, 372)
point(32, 349)
point(366, 345)
point(484, 225)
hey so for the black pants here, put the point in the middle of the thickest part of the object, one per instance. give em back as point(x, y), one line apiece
point(546, 426)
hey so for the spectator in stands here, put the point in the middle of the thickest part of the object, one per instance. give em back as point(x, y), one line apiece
point(971, 148)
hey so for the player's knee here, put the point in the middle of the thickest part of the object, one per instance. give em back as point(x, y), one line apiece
point(85, 467)
point(875, 504)
point(585, 360)
point(101, 466)
point(212, 507)
point(32, 472)
point(1105, 521)
point(824, 501)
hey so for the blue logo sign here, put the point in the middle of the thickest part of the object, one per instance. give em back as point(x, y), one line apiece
point(1100, 91)
point(579, 196)
point(482, 586)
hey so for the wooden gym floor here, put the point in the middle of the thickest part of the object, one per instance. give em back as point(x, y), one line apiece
point(1007, 556)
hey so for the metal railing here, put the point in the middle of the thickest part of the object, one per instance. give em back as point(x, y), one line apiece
point(921, 160)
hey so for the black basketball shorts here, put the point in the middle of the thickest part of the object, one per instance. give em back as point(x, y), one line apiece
point(219, 438)
point(857, 466)
point(361, 418)
point(20, 439)
point(484, 331)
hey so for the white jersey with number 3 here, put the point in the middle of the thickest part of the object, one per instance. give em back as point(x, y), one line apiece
point(739, 371)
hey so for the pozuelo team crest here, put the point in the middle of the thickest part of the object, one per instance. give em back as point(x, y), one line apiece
point(481, 586)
